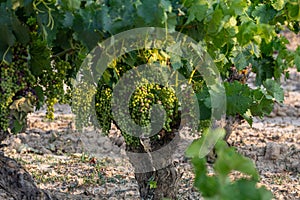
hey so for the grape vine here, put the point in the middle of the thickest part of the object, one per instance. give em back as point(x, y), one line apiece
point(43, 43)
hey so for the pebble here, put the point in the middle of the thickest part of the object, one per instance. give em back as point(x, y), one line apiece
point(272, 151)
point(281, 113)
point(11, 164)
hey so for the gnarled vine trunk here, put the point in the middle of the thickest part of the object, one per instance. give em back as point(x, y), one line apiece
point(166, 183)
point(17, 182)
point(162, 181)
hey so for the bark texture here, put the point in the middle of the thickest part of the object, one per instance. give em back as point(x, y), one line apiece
point(162, 181)
point(166, 183)
point(17, 182)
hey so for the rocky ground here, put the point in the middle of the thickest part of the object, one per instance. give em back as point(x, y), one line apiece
point(273, 143)
point(61, 162)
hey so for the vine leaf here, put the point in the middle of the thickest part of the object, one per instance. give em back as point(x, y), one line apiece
point(293, 11)
point(238, 6)
point(261, 105)
point(73, 4)
point(297, 59)
point(240, 58)
point(197, 11)
point(203, 146)
point(264, 13)
point(238, 97)
point(274, 89)
point(229, 160)
point(279, 4)
point(246, 32)
point(219, 186)
point(215, 23)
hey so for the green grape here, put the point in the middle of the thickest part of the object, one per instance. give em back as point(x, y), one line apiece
point(50, 108)
point(131, 140)
point(140, 105)
point(16, 82)
point(54, 80)
point(143, 99)
point(82, 97)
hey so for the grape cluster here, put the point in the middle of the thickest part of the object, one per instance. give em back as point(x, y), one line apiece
point(32, 73)
point(141, 102)
point(54, 79)
point(103, 107)
point(130, 140)
point(148, 94)
point(82, 104)
point(16, 81)
point(7, 93)
point(103, 99)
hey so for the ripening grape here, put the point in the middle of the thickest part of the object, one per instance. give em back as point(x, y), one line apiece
point(16, 81)
point(141, 102)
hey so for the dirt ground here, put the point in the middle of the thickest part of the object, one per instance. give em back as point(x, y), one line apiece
point(57, 156)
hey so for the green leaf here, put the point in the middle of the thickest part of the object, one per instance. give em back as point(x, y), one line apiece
point(260, 105)
point(85, 28)
point(297, 58)
point(214, 24)
point(239, 6)
point(151, 12)
point(246, 189)
point(176, 62)
point(274, 89)
point(193, 150)
point(239, 58)
point(6, 36)
point(218, 186)
point(118, 15)
point(229, 160)
point(209, 186)
point(221, 39)
point(248, 117)
point(7, 39)
point(266, 32)
point(238, 98)
point(40, 57)
point(264, 69)
point(166, 5)
point(68, 19)
point(171, 21)
point(246, 33)
point(197, 11)
point(255, 50)
point(72, 4)
point(264, 13)
point(293, 8)
point(278, 4)
point(204, 101)
point(153, 184)
point(201, 147)
point(40, 95)
point(20, 31)
point(17, 126)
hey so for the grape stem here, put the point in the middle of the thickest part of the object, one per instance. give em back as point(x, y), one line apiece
point(3, 58)
point(67, 51)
